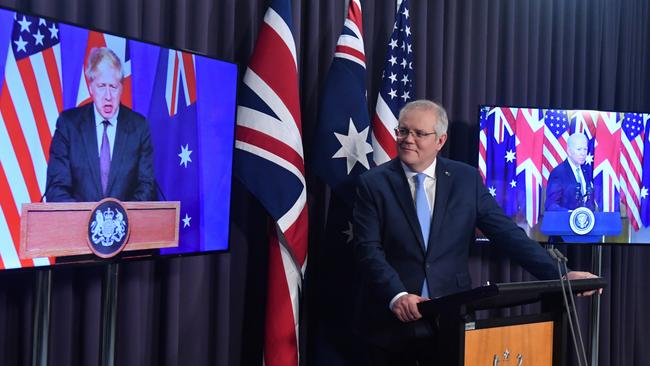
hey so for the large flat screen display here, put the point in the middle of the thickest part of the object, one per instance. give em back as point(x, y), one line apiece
point(545, 164)
point(187, 101)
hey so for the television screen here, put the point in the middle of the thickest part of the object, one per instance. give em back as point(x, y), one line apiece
point(183, 105)
point(569, 175)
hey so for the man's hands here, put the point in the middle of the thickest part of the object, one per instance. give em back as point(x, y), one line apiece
point(579, 275)
point(405, 307)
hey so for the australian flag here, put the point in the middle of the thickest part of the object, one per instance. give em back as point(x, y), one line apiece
point(342, 151)
point(501, 151)
point(192, 148)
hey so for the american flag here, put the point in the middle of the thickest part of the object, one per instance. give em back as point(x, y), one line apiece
point(30, 102)
point(607, 153)
point(482, 142)
point(645, 179)
point(342, 151)
point(269, 161)
point(530, 136)
point(631, 165)
point(120, 46)
point(397, 86)
point(556, 135)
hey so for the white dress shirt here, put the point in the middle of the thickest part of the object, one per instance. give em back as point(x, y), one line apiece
point(430, 189)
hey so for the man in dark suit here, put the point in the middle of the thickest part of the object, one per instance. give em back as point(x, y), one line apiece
point(102, 149)
point(408, 252)
point(570, 184)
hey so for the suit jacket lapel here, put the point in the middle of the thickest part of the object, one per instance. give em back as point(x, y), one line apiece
point(121, 136)
point(443, 187)
point(89, 136)
point(400, 186)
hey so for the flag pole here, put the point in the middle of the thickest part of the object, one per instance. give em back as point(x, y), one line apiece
point(42, 307)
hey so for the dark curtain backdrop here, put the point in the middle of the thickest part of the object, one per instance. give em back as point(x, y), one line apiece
point(208, 310)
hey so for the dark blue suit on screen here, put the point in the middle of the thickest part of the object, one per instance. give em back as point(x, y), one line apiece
point(73, 172)
point(390, 249)
point(563, 192)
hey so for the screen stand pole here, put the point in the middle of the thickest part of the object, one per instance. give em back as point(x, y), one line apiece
point(596, 268)
point(109, 314)
point(42, 304)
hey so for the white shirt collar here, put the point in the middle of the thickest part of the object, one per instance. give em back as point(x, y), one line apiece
point(430, 171)
point(99, 119)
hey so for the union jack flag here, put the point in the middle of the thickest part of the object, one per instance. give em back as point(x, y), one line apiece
point(606, 161)
point(631, 165)
point(269, 161)
point(30, 102)
point(530, 136)
point(397, 86)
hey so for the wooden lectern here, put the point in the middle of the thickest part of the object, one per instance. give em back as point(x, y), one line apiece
point(60, 229)
point(537, 339)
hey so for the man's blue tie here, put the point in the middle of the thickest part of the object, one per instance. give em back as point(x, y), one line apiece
point(424, 217)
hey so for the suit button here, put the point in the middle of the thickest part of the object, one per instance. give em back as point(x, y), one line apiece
point(428, 265)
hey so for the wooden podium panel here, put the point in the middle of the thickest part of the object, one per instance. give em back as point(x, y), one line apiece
point(60, 229)
point(533, 341)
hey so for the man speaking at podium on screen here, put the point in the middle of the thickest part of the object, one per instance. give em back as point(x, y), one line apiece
point(570, 184)
point(414, 224)
point(102, 149)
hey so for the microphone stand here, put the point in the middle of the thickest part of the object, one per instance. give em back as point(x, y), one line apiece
point(552, 252)
point(581, 343)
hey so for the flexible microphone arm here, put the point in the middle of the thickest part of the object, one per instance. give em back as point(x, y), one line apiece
point(553, 254)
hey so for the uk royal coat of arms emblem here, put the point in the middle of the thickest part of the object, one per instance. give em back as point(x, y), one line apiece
point(108, 228)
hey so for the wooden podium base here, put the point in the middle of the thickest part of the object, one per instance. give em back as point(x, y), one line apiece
point(521, 344)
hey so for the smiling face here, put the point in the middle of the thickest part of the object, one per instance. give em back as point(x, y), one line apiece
point(419, 153)
point(106, 89)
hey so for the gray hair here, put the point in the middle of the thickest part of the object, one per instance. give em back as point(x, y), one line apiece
point(427, 105)
point(573, 139)
point(101, 55)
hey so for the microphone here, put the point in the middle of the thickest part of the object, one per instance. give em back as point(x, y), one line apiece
point(555, 254)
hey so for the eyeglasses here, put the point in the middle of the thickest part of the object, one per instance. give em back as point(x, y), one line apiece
point(403, 132)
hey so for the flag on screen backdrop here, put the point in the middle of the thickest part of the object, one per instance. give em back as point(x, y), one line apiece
point(501, 152)
point(607, 153)
point(269, 161)
point(342, 151)
point(30, 102)
point(174, 133)
point(482, 142)
point(397, 86)
point(632, 126)
point(556, 135)
point(645, 176)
